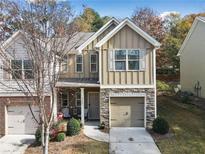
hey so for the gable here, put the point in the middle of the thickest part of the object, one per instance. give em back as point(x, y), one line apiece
point(195, 35)
point(109, 29)
point(128, 38)
point(15, 46)
point(94, 37)
point(195, 46)
point(136, 29)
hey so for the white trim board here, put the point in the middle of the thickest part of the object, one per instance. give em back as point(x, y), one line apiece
point(134, 27)
point(11, 39)
point(127, 86)
point(18, 95)
point(94, 36)
point(127, 94)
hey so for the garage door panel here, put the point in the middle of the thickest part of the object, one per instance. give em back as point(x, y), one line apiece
point(127, 112)
point(21, 121)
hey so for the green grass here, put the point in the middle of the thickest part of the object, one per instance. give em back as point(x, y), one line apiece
point(187, 123)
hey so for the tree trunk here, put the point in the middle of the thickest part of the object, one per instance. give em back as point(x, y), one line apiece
point(46, 141)
point(42, 135)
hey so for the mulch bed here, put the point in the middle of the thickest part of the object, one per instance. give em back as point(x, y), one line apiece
point(68, 146)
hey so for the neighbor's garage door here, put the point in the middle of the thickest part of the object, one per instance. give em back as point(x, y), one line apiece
point(127, 112)
point(21, 121)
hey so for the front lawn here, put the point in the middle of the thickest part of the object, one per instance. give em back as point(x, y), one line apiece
point(187, 122)
point(79, 144)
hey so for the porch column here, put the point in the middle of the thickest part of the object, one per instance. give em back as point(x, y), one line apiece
point(82, 106)
point(55, 105)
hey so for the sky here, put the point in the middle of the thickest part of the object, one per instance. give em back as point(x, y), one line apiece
point(125, 8)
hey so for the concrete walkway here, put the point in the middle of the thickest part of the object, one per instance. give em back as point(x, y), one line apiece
point(131, 141)
point(15, 144)
point(91, 130)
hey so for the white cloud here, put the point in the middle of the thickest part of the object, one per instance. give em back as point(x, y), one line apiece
point(164, 14)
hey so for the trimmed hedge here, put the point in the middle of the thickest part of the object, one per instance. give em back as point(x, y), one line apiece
point(73, 127)
point(160, 126)
point(60, 137)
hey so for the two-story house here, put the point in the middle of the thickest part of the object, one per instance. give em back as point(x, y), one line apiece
point(109, 76)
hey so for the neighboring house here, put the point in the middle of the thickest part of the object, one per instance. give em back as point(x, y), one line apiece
point(109, 76)
point(192, 62)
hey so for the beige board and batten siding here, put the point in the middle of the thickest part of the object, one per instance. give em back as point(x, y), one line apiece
point(127, 38)
point(192, 61)
point(71, 71)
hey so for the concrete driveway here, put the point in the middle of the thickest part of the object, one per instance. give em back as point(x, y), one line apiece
point(15, 144)
point(131, 141)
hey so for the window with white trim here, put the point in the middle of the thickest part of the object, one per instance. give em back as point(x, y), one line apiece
point(21, 69)
point(93, 63)
point(128, 60)
point(27, 67)
point(79, 63)
point(64, 99)
point(133, 59)
point(78, 99)
point(120, 60)
point(64, 64)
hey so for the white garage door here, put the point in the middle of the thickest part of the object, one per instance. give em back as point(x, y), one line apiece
point(127, 112)
point(21, 121)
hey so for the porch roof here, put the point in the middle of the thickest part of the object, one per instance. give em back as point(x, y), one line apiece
point(78, 82)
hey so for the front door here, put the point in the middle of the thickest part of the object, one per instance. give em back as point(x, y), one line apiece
point(94, 109)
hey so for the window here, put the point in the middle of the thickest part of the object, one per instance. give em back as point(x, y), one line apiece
point(93, 63)
point(21, 69)
point(28, 72)
point(16, 66)
point(64, 101)
point(78, 99)
point(64, 64)
point(127, 60)
point(79, 63)
point(133, 59)
point(120, 59)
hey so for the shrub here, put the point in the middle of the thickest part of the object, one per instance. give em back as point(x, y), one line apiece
point(73, 127)
point(162, 86)
point(38, 136)
point(53, 133)
point(102, 125)
point(60, 137)
point(62, 126)
point(185, 96)
point(160, 126)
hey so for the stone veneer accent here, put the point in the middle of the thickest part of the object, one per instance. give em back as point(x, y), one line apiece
point(16, 101)
point(150, 101)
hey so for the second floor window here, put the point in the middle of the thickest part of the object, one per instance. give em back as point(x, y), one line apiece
point(120, 59)
point(79, 63)
point(93, 63)
point(129, 60)
point(21, 69)
point(64, 64)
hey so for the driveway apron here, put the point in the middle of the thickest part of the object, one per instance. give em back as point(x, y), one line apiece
point(131, 140)
point(15, 144)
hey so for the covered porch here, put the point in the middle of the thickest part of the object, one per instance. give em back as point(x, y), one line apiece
point(80, 100)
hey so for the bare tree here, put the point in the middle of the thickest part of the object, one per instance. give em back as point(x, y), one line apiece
point(148, 20)
point(47, 31)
